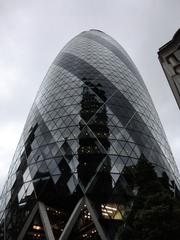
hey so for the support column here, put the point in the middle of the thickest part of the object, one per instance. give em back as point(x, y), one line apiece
point(45, 221)
point(95, 220)
point(72, 220)
point(28, 222)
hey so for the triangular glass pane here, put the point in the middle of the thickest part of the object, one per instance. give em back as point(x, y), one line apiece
point(119, 165)
point(72, 183)
point(66, 150)
point(101, 182)
point(115, 177)
point(112, 219)
point(113, 158)
point(109, 111)
point(84, 227)
point(36, 230)
point(110, 213)
point(55, 178)
point(114, 170)
point(89, 143)
point(74, 163)
point(59, 214)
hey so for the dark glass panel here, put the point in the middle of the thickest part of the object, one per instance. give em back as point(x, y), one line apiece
point(84, 227)
point(36, 230)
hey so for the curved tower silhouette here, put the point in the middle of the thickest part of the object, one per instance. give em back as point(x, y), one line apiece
point(72, 174)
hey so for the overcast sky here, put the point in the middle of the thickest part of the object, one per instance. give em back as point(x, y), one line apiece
point(33, 32)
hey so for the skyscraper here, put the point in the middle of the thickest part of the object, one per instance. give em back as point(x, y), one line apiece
point(169, 57)
point(92, 120)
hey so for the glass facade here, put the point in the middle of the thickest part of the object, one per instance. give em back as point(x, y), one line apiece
point(72, 173)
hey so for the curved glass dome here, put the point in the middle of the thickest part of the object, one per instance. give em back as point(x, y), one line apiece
point(92, 119)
